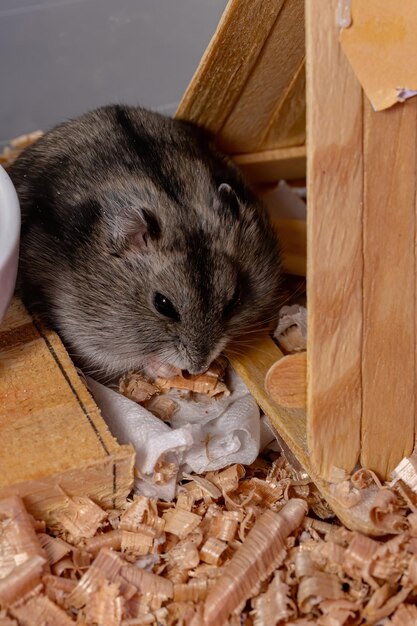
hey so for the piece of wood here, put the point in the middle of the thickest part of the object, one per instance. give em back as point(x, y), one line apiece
point(293, 237)
point(240, 64)
point(334, 246)
point(54, 440)
point(228, 61)
point(288, 125)
point(270, 166)
point(291, 425)
point(286, 381)
point(261, 103)
point(389, 286)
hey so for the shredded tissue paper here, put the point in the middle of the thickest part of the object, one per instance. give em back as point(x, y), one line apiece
point(203, 435)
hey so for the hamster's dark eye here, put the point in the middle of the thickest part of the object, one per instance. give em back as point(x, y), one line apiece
point(165, 307)
point(233, 302)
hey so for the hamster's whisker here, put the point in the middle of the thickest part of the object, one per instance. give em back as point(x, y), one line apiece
point(247, 348)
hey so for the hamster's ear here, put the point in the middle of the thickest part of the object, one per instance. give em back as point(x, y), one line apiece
point(228, 201)
point(135, 230)
point(145, 229)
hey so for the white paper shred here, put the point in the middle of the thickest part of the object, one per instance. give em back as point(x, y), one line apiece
point(204, 434)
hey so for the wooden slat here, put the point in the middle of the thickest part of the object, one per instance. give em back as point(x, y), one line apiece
point(51, 431)
point(267, 101)
point(334, 246)
point(270, 166)
point(288, 126)
point(228, 61)
point(290, 424)
point(293, 237)
point(388, 374)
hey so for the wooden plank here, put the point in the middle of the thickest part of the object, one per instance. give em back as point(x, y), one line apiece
point(293, 237)
point(228, 61)
point(261, 105)
point(334, 246)
point(291, 425)
point(388, 372)
point(288, 125)
point(270, 166)
point(51, 430)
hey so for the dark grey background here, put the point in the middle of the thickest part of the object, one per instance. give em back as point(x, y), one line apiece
point(59, 58)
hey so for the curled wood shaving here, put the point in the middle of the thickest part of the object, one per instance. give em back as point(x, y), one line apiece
point(253, 561)
point(206, 485)
point(405, 615)
point(228, 479)
point(80, 517)
point(142, 511)
point(40, 610)
point(111, 539)
point(105, 567)
point(406, 471)
point(386, 512)
point(164, 471)
point(194, 591)
point(346, 493)
point(18, 540)
point(364, 478)
point(275, 605)
point(54, 547)
point(137, 388)
point(180, 522)
point(155, 587)
point(210, 383)
point(313, 589)
point(16, 147)
point(162, 407)
point(339, 612)
point(104, 607)
point(291, 332)
point(374, 616)
point(184, 555)
point(23, 579)
point(212, 551)
point(359, 557)
point(225, 525)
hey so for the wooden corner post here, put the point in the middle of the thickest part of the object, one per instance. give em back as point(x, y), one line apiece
point(361, 263)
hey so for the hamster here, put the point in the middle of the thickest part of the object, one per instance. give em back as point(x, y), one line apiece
point(141, 244)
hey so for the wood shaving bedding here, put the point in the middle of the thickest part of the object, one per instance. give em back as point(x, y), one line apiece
point(12, 151)
point(236, 547)
point(144, 391)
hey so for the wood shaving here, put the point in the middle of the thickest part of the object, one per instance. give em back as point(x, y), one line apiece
point(137, 388)
point(236, 548)
point(16, 147)
point(291, 331)
point(142, 390)
point(162, 407)
point(209, 383)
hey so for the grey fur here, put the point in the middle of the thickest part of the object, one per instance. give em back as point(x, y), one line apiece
point(122, 203)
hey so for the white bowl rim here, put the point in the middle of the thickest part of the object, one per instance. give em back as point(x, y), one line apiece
point(9, 219)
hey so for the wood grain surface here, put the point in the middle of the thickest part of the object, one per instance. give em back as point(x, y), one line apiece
point(334, 246)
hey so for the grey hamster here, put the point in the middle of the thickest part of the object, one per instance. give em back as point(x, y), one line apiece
point(141, 244)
